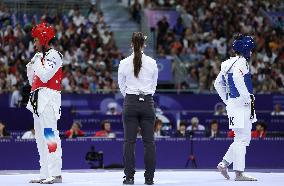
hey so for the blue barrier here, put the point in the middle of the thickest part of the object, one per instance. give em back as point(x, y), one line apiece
point(20, 119)
point(171, 152)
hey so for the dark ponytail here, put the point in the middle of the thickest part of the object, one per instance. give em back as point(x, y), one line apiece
point(138, 41)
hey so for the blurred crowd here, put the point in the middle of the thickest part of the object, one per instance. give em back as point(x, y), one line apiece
point(198, 42)
point(203, 33)
point(84, 39)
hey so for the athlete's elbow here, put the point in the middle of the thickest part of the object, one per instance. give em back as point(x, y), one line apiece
point(216, 84)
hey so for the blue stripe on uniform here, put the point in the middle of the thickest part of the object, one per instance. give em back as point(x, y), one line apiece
point(248, 82)
point(234, 93)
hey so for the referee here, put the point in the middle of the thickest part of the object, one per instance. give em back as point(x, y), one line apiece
point(137, 79)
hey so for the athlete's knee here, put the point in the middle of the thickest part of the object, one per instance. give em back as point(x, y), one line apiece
point(241, 142)
point(50, 140)
point(243, 138)
point(247, 142)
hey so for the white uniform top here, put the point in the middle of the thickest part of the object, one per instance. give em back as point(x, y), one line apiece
point(147, 77)
point(238, 67)
point(52, 62)
point(234, 86)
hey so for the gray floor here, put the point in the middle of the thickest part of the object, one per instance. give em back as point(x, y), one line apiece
point(162, 177)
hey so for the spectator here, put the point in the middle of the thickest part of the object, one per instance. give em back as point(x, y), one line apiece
point(195, 125)
point(136, 11)
point(163, 27)
point(16, 97)
point(106, 130)
point(75, 131)
point(3, 131)
point(213, 132)
point(193, 78)
point(29, 134)
point(179, 27)
point(260, 130)
point(93, 15)
point(181, 132)
point(277, 110)
point(158, 132)
point(220, 110)
point(78, 19)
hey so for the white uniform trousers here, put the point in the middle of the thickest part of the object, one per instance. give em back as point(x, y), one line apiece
point(237, 150)
point(48, 143)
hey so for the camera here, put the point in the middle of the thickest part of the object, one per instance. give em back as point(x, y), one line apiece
point(95, 159)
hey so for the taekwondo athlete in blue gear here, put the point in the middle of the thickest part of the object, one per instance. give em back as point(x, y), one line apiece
point(234, 86)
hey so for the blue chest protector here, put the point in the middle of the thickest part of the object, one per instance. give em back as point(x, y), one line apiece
point(234, 93)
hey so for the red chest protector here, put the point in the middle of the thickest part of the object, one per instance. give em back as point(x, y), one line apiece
point(54, 83)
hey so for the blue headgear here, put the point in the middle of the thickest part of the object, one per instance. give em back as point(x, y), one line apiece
point(244, 45)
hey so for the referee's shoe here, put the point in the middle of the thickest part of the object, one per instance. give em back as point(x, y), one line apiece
point(128, 180)
point(149, 181)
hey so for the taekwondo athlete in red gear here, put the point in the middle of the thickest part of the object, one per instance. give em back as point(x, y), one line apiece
point(234, 86)
point(44, 72)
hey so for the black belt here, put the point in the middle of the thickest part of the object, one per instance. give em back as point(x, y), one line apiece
point(251, 107)
point(34, 101)
point(141, 97)
point(137, 95)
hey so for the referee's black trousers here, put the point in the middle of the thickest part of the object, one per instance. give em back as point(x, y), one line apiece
point(139, 114)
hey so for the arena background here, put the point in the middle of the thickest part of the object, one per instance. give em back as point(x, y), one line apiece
point(188, 38)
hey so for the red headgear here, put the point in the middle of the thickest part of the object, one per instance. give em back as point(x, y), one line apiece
point(43, 32)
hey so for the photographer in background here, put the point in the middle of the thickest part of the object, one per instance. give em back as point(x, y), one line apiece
point(92, 157)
